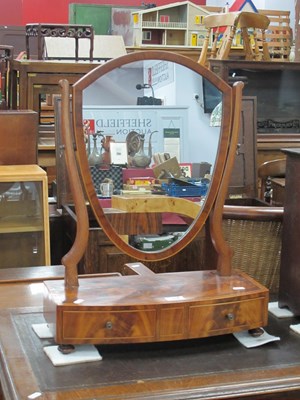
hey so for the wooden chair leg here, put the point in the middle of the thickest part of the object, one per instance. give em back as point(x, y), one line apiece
point(203, 54)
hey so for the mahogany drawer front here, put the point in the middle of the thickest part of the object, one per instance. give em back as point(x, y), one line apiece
point(109, 325)
point(212, 319)
point(172, 323)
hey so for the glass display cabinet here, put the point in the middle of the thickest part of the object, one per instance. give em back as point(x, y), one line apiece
point(24, 216)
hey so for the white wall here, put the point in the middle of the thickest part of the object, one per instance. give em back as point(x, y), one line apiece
point(198, 140)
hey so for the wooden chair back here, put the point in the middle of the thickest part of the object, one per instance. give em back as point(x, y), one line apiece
point(76, 32)
point(227, 25)
point(254, 21)
point(213, 23)
point(274, 168)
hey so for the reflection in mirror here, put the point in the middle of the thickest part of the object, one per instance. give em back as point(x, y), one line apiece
point(153, 117)
point(181, 126)
point(142, 123)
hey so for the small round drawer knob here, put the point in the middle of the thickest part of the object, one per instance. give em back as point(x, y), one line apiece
point(108, 325)
point(230, 316)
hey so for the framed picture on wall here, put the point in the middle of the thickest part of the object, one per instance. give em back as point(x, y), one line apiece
point(118, 153)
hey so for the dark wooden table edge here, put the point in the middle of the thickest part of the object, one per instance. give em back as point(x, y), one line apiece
point(273, 383)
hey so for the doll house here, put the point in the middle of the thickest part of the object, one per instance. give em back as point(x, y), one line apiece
point(176, 24)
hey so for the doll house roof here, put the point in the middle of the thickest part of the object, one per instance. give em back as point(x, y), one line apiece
point(173, 5)
point(243, 5)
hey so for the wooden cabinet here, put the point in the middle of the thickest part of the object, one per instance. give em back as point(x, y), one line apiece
point(101, 256)
point(243, 180)
point(18, 137)
point(276, 86)
point(33, 81)
point(289, 285)
point(24, 220)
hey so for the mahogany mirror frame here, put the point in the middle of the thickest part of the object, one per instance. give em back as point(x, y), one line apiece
point(141, 306)
point(221, 158)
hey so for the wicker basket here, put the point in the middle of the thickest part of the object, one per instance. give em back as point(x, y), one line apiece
point(254, 233)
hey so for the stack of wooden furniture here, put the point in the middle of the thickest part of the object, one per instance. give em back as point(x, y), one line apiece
point(279, 35)
point(225, 25)
point(76, 32)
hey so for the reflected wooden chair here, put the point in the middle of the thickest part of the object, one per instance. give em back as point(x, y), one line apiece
point(270, 169)
point(226, 24)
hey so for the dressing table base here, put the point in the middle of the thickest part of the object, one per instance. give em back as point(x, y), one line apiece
point(149, 307)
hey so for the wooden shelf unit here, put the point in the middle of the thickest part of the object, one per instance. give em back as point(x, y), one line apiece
point(24, 216)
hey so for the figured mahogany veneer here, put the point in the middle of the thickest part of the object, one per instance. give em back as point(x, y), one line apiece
point(149, 307)
point(143, 306)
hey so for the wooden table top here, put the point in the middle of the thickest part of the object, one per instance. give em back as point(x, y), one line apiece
point(262, 65)
point(54, 66)
point(211, 368)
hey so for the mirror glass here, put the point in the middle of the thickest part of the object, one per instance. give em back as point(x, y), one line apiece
point(151, 125)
